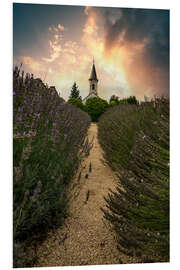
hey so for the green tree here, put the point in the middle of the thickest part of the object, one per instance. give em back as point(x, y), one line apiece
point(129, 100)
point(123, 101)
point(132, 100)
point(95, 107)
point(114, 98)
point(76, 102)
point(74, 91)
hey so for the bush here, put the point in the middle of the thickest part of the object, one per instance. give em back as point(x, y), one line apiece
point(129, 100)
point(135, 140)
point(47, 137)
point(113, 103)
point(95, 107)
point(76, 102)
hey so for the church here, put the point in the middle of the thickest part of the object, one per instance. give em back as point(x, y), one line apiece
point(93, 84)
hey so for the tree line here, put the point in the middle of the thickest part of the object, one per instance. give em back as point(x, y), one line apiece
point(96, 106)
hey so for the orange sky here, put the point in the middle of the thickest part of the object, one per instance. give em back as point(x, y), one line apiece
point(126, 58)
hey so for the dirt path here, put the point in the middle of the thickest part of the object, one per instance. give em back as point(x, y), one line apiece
point(84, 239)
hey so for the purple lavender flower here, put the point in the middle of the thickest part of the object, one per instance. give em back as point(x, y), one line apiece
point(19, 118)
point(62, 193)
point(65, 135)
point(20, 109)
point(38, 115)
point(36, 190)
point(24, 133)
point(38, 109)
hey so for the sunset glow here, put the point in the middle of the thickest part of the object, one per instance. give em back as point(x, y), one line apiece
point(130, 48)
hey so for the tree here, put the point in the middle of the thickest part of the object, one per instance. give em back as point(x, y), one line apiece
point(74, 91)
point(76, 102)
point(132, 100)
point(129, 100)
point(95, 107)
point(113, 103)
point(114, 98)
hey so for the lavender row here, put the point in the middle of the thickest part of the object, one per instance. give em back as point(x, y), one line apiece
point(48, 136)
point(135, 140)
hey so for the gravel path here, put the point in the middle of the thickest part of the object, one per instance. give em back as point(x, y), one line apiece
point(85, 238)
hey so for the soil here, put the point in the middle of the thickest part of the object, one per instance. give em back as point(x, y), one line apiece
point(85, 238)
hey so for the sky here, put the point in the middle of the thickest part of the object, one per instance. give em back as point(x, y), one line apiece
point(130, 46)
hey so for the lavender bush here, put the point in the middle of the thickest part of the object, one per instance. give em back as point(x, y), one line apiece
point(135, 140)
point(48, 135)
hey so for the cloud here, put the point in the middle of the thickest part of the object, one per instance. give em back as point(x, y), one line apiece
point(150, 27)
point(61, 27)
point(135, 41)
point(56, 29)
point(86, 10)
point(55, 48)
point(31, 63)
point(130, 47)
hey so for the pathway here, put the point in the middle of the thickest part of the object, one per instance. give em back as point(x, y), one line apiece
point(85, 238)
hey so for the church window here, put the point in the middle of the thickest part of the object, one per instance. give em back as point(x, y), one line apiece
point(93, 86)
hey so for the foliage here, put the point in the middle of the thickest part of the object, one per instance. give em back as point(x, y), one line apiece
point(129, 100)
point(74, 92)
point(114, 98)
point(47, 137)
point(76, 102)
point(113, 103)
point(135, 140)
point(95, 107)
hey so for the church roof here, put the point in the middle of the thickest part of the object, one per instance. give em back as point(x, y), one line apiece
point(93, 75)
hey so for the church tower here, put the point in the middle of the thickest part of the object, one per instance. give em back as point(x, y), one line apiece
point(93, 81)
point(93, 84)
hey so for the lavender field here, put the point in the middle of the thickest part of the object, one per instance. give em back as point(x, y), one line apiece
point(49, 141)
point(135, 140)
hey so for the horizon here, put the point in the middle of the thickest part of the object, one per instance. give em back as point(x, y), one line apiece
point(130, 47)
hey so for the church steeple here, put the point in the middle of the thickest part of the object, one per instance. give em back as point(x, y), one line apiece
point(93, 80)
point(93, 84)
point(93, 75)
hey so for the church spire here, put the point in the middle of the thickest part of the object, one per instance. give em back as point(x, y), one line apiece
point(93, 75)
point(93, 84)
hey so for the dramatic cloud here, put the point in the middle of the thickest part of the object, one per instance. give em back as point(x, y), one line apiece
point(61, 27)
point(55, 50)
point(143, 37)
point(130, 48)
point(31, 63)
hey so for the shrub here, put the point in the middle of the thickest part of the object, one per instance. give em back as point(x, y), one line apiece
point(47, 137)
point(76, 102)
point(135, 140)
point(129, 100)
point(95, 107)
point(113, 103)
point(114, 98)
